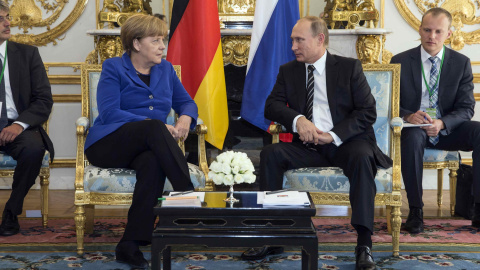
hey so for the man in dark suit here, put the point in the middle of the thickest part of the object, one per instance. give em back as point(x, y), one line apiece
point(26, 103)
point(326, 102)
point(435, 88)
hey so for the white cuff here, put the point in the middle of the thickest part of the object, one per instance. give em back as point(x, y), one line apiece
point(294, 125)
point(336, 140)
point(25, 126)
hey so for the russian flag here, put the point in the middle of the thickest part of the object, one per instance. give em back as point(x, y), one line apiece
point(270, 47)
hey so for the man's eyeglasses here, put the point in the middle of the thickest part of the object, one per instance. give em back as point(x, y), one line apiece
point(3, 18)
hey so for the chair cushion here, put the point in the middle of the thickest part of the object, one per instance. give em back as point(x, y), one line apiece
point(121, 180)
point(7, 162)
point(434, 155)
point(331, 179)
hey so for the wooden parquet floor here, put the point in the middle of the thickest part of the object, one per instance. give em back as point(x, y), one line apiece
point(61, 205)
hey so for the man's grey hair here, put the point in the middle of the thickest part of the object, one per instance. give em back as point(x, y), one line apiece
point(318, 27)
point(4, 6)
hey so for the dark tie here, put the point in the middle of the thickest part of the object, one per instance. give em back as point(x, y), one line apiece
point(310, 92)
point(3, 117)
point(433, 84)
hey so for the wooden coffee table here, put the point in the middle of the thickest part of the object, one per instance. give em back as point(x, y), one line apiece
point(244, 224)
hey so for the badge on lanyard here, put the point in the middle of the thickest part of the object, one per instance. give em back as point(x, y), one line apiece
point(432, 112)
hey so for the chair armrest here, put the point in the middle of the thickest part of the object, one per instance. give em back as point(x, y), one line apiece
point(82, 125)
point(397, 126)
point(201, 131)
point(275, 130)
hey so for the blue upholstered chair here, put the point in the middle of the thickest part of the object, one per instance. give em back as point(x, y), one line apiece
point(439, 160)
point(114, 186)
point(328, 185)
point(7, 168)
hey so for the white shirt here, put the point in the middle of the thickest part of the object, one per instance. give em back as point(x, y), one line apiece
point(322, 117)
point(427, 65)
point(12, 113)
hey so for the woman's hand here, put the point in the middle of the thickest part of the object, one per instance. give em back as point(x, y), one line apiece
point(182, 127)
point(172, 130)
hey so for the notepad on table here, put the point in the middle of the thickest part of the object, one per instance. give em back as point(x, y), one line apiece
point(287, 198)
point(178, 202)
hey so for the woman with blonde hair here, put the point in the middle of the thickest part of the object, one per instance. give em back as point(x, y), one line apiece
point(135, 94)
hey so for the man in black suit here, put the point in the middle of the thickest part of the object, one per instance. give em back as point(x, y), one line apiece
point(26, 103)
point(435, 88)
point(326, 102)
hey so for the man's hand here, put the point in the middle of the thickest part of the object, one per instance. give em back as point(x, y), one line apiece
point(8, 134)
point(325, 138)
point(308, 132)
point(434, 129)
point(418, 118)
point(183, 127)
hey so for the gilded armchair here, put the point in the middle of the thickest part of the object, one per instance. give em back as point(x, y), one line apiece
point(114, 186)
point(7, 168)
point(328, 185)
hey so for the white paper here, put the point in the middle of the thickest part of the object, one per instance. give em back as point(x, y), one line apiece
point(406, 125)
point(182, 203)
point(287, 198)
point(200, 195)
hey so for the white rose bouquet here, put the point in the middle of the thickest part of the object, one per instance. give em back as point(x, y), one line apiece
point(232, 168)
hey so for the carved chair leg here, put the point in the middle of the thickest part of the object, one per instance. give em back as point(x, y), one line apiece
point(440, 187)
point(389, 218)
point(396, 223)
point(90, 214)
point(80, 227)
point(44, 183)
point(453, 189)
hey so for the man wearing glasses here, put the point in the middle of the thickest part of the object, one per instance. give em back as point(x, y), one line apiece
point(26, 103)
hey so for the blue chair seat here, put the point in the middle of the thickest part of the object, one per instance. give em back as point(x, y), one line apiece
point(7, 162)
point(121, 180)
point(331, 179)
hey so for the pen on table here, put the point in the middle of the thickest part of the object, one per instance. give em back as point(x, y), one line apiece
point(178, 198)
point(277, 191)
point(282, 195)
point(182, 193)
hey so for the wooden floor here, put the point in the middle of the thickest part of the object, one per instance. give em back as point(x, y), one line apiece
point(61, 205)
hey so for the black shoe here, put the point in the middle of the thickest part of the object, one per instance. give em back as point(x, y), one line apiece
point(364, 258)
point(9, 224)
point(414, 222)
point(476, 216)
point(253, 254)
point(129, 253)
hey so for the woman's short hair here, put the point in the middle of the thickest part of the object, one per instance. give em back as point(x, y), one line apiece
point(139, 26)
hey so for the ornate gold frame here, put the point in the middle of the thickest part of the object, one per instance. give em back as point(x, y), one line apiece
point(52, 34)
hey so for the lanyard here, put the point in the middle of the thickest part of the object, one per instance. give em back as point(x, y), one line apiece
point(5, 61)
point(438, 76)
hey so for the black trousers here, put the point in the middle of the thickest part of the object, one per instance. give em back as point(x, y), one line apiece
point(465, 137)
point(28, 150)
point(149, 148)
point(356, 158)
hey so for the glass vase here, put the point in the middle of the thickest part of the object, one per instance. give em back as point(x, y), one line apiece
point(231, 199)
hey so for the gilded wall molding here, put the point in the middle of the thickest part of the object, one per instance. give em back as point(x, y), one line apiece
point(26, 15)
point(463, 12)
point(235, 50)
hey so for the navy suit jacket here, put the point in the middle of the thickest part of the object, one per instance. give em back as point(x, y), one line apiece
point(31, 90)
point(351, 102)
point(455, 91)
point(123, 97)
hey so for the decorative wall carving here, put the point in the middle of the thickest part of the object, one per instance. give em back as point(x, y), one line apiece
point(236, 12)
point(349, 13)
point(26, 15)
point(368, 48)
point(463, 12)
point(235, 50)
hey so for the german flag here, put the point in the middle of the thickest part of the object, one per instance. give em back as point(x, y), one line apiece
point(195, 44)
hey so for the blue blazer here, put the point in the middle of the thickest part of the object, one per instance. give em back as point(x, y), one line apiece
point(123, 97)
